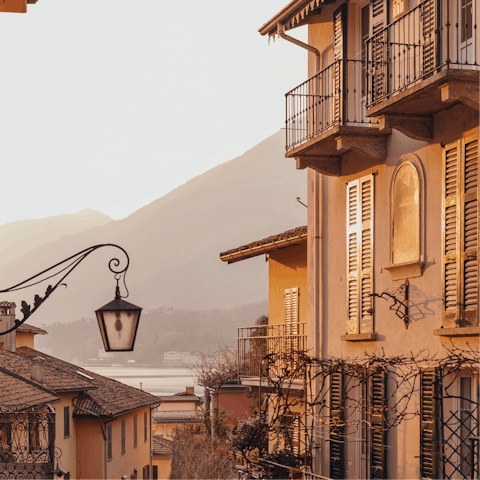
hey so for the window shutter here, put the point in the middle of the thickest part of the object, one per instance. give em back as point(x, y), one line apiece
point(296, 435)
point(429, 48)
point(460, 233)
point(336, 432)
point(378, 390)
point(291, 320)
point(470, 253)
point(340, 53)
point(360, 208)
point(428, 423)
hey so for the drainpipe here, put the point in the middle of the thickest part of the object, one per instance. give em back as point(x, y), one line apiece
point(318, 55)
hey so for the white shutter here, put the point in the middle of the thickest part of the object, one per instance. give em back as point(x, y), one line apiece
point(379, 48)
point(339, 53)
point(291, 319)
point(360, 208)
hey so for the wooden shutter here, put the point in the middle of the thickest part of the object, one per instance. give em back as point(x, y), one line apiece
point(296, 435)
point(360, 209)
point(428, 423)
point(379, 48)
point(378, 395)
point(339, 53)
point(337, 432)
point(429, 40)
point(291, 319)
point(460, 233)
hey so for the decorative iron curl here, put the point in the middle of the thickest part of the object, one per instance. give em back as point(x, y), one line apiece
point(71, 263)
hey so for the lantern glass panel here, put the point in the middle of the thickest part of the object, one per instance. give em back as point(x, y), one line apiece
point(120, 327)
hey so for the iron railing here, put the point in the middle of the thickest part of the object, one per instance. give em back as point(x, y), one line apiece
point(268, 346)
point(335, 96)
point(433, 36)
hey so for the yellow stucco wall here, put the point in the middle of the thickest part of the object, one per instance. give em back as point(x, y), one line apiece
point(24, 340)
point(163, 463)
point(287, 268)
point(67, 445)
point(171, 406)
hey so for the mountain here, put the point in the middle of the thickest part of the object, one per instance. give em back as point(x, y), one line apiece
point(174, 242)
point(19, 238)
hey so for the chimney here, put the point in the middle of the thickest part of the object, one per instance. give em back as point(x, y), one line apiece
point(37, 370)
point(7, 319)
point(190, 390)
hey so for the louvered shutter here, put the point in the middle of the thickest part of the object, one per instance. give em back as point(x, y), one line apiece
point(296, 436)
point(429, 40)
point(460, 233)
point(378, 391)
point(291, 320)
point(360, 209)
point(379, 48)
point(337, 431)
point(428, 423)
point(339, 53)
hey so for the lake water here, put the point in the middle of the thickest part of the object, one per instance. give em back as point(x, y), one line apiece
point(157, 381)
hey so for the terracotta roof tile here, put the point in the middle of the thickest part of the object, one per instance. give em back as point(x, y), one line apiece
point(21, 393)
point(162, 446)
point(57, 379)
point(26, 328)
point(260, 247)
point(110, 397)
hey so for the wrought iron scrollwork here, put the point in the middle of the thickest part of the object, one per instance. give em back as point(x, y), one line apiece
point(400, 301)
point(67, 266)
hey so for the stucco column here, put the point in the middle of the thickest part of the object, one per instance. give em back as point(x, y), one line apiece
point(7, 319)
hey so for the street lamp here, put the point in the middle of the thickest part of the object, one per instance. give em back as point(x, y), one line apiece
point(117, 320)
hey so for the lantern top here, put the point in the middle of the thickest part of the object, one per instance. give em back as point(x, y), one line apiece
point(118, 304)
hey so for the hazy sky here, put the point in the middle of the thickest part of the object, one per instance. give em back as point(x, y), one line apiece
point(111, 104)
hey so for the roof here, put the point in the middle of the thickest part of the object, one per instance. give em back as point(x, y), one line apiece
point(162, 446)
point(26, 328)
point(107, 398)
point(292, 15)
point(57, 379)
point(22, 393)
point(269, 244)
point(178, 398)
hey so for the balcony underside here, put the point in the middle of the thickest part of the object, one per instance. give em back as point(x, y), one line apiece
point(412, 110)
point(324, 152)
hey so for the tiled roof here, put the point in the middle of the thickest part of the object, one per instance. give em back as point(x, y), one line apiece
point(162, 446)
point(109, 398)
point(260, 247)
point(19, 392)
point(57, 379)
point(26, 328)
point(178, 398)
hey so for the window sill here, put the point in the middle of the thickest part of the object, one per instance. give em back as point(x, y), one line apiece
point(359, 337)
point(457, 332)
point(406, 270)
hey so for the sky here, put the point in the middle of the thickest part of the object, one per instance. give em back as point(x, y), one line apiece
point(111, 104)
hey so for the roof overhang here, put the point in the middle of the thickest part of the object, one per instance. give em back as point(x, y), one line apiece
point(295, 14)
point(270, 244)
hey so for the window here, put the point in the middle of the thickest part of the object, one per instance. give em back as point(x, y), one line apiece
point(66, 422)
point(337, 434)
point(135, 439)
point(460, 233)
point(360, 199)
point(407, 215)
point(378, 435)
point(155, 472)
point(145, 426)
point(109, 442)
point(123, 437)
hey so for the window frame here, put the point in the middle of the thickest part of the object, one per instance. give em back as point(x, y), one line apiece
point(135, 431)
point(66, 421)
point(109, 443)
point(145, 426)
point(413, 160)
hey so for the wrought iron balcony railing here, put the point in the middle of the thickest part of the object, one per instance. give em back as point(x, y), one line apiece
point(269, 346)
point(433, 36)
point(333, 97)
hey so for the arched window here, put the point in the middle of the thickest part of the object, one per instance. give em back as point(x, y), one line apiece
point(407, 203)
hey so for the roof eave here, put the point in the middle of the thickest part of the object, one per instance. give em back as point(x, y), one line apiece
point(286, 11)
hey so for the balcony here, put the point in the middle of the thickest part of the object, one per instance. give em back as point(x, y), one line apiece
point(423, 63)
point(175, 416)
point(269, 350)
point(325, 118)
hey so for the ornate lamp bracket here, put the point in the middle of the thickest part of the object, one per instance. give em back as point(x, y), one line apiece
point(65, 267)
point(400, 301)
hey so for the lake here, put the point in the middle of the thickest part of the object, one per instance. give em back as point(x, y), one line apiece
point(157, 381)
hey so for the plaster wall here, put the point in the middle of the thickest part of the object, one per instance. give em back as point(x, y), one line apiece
point(67, 445)
point(287, 268)
point(90, 448)
point(172, 406)
point(236, 404)
point(163, 463)
point(425, 292)
point(25, 340)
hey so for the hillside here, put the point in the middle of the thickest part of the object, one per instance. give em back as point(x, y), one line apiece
point(174, 242)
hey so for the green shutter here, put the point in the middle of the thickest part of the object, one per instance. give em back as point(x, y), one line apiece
point(337, 432)
point(378, 395)
point(428, 423)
